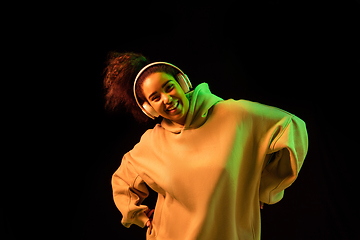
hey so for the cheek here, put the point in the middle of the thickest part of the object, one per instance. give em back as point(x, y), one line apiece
point(186, 104)
point(159, 108)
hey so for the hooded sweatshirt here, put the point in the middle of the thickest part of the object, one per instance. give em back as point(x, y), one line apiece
point(211, 173)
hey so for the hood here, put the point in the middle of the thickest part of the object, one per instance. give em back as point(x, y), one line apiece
point(201, 100)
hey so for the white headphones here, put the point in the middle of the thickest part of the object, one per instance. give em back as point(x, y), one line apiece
point(182, 79)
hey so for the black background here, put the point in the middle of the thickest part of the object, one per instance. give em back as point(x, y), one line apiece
point(302, 57)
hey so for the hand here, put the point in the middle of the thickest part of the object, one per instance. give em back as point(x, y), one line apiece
point(261, 205)
point(148, 213)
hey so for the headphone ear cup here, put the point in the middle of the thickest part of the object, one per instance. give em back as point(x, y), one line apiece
point(188, 81)
point(184, 82)
point(150, 111)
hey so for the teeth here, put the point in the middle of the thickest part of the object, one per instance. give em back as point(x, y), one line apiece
point(173, 107)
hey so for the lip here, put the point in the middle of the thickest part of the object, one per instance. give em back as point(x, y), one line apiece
point(173, 107)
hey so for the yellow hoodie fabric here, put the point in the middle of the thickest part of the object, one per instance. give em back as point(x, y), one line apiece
point(211, 173)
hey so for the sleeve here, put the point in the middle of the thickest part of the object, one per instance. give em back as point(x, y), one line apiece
point(129, 191)
point(287, 145)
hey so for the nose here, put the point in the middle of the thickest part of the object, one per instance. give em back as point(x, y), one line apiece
point(167, 99)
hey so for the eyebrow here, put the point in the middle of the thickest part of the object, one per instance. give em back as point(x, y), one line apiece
point(161, 87)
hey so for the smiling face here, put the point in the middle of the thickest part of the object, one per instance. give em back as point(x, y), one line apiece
point(166, 96)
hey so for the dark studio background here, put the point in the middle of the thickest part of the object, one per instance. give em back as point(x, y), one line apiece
point(301, 57)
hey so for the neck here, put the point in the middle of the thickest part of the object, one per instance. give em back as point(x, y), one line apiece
point(175, 123)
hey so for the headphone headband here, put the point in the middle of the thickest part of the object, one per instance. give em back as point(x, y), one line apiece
point(149, 108)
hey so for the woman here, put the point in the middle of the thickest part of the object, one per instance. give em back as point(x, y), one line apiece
point(211, 161)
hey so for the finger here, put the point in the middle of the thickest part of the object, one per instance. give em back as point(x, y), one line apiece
point(148, 223)
point(150, 213)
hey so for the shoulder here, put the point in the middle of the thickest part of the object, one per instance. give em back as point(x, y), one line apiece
point(248, 109)
point(149, 135)
point(243, 107)
point(146, 144)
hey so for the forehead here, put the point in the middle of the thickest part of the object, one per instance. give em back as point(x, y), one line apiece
point(156, 81)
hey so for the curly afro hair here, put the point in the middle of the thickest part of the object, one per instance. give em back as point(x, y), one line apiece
point(120, 74)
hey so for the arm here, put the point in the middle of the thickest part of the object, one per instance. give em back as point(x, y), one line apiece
point(129, 191)
point(288, 145)
point(283, 144)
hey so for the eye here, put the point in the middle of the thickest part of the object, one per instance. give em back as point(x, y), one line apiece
point(155, 98)
point(169, 87)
